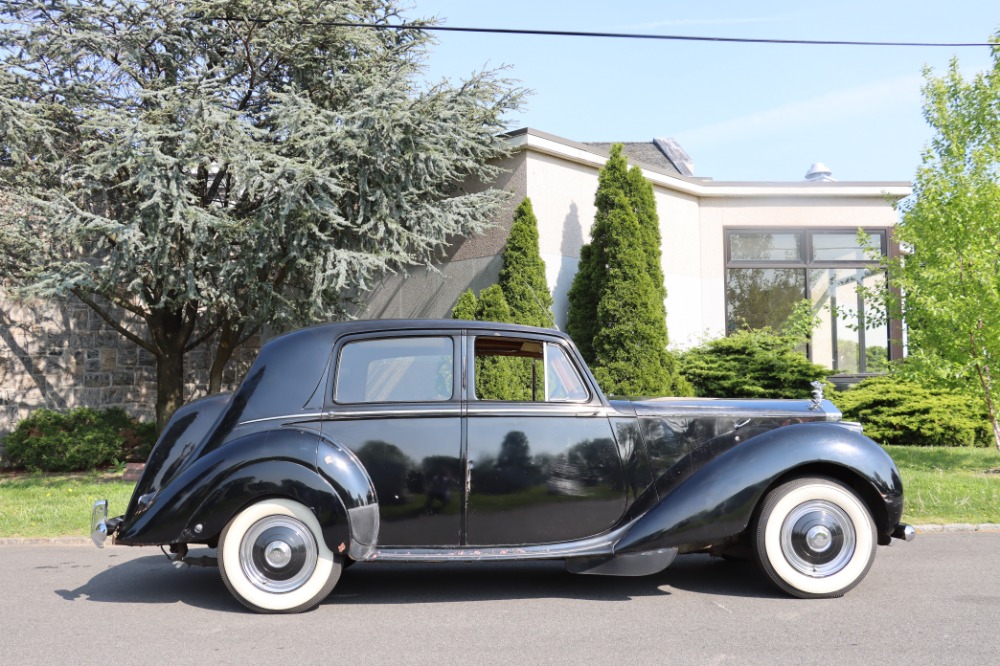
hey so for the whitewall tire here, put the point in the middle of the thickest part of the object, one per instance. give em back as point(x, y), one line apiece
point(815, 538)
point(273, 559)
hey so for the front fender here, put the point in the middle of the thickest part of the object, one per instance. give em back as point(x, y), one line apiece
point(287, 462)
point(717, 500)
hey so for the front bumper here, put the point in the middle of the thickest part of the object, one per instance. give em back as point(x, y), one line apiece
point(904, 532)
point(102, 527)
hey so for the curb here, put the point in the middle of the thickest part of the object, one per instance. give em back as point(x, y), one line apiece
point(949, 528)
point(957, 527)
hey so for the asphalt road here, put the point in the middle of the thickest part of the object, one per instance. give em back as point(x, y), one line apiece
point(933, 601)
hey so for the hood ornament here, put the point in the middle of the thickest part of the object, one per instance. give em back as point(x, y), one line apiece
point(817, 393)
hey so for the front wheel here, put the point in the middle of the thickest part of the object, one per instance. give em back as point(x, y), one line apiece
point(815, 538)
point(274, 560)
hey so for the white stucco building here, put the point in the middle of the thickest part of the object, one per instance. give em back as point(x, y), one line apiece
point(734, 253)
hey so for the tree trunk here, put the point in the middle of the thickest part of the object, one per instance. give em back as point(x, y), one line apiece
point(169, 386)
point(170, 330)
point(223, 352)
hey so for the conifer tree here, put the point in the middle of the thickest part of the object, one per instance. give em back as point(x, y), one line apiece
point(617, 315)
point(193, 170)
point(497, 377)
point(522, 277)
point(466, 306)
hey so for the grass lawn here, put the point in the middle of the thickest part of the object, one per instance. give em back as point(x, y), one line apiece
point(51, 505)
point(942, 485)
point(949, 485)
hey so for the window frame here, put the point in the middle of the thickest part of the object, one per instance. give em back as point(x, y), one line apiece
point(809, 263)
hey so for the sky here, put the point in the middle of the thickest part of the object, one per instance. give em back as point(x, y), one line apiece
point(743, 112)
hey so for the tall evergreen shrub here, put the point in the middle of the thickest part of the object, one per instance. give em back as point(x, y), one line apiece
point(617, 315)
point(522, 277)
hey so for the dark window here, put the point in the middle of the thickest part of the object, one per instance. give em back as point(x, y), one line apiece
point(412, 369)
point(769, 271)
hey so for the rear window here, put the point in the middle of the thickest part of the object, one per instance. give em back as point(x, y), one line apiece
point(411, 369)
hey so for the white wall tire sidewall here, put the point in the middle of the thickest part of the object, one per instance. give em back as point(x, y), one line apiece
point(242, 587)
point(856, 567)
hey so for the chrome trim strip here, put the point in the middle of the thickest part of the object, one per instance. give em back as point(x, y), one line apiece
point(541, 409)
point(600, 545)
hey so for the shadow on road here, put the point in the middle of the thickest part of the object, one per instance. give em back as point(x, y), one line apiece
point(153, 580)
point(437, 583)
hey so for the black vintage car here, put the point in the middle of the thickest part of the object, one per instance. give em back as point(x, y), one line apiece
point(443, 441)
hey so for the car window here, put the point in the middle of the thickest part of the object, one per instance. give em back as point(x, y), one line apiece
point(411, 369)
point(562, 382)
point(521, 370)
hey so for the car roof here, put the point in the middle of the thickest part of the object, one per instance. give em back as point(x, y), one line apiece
point(337, 329)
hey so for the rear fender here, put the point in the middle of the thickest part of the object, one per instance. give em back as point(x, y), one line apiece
point(717, 501)
point(289, 462)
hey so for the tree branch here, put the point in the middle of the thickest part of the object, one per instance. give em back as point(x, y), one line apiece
point(129, 335)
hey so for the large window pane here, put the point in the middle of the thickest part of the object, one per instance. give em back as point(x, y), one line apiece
point(764, 246)
point(876, 335)
point(395, 370)
point(758, 297)
point(838, 341)
point(842, 246)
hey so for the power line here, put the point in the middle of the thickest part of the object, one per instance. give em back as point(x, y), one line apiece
point(587, 34)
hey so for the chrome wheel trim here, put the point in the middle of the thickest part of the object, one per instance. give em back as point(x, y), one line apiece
point(818, 538)
point(278, 554)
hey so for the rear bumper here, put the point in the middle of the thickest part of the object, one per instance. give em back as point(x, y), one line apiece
point(102, 527)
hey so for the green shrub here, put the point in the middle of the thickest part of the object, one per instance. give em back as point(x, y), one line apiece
point(751, 364)
point(896, 411)
point(79, 439)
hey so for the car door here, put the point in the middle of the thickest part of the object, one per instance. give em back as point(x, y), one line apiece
point(396, 404)
point(543, 465)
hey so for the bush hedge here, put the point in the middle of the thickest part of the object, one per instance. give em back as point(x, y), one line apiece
point(80, 439)
point(751, 364)
point(896, 411)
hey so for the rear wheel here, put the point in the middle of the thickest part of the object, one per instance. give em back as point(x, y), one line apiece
point(274, 560)
point(815, 538)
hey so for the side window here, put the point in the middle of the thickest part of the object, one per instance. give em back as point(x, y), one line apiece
point(520, 370)
point(562, 382)
point(412, 369)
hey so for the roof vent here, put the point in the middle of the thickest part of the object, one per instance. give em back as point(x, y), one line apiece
point(820, 173)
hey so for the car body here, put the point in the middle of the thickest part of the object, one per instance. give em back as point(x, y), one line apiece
point(441, 441)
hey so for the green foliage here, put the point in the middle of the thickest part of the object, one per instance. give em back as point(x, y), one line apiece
point(617, 316)
point(499, 377)
point(895, 411)
point(492, 305)
point(80, 439)
point(522, 277)
point(466, 306)
point(756, 363)
point(951, 223)
point(192, 177)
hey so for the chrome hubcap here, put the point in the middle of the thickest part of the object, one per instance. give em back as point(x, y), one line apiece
point(818, 538)
point(278, 554)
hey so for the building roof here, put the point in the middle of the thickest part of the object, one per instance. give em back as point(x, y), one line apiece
point(595, 155)
point(655, 153)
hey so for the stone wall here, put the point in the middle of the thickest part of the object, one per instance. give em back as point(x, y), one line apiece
point(62, 355)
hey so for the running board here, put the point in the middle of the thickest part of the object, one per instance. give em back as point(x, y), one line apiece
point(599, 546)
